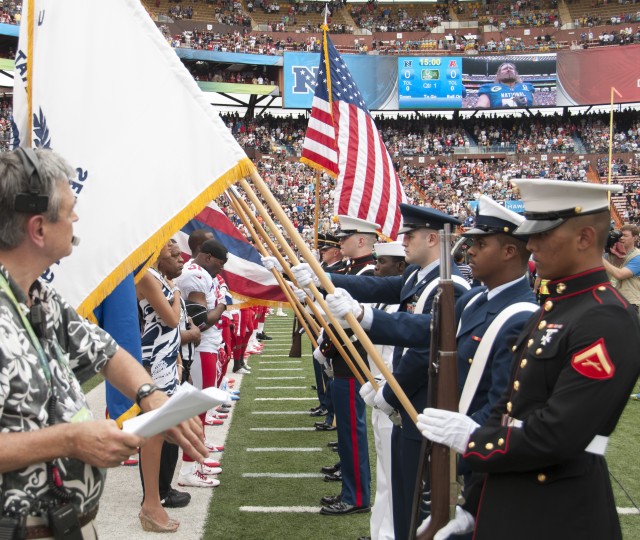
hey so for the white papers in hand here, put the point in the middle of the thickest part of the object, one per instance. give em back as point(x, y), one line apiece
point(185, 403)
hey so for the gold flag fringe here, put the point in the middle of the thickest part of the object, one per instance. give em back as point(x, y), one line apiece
point(242, 169)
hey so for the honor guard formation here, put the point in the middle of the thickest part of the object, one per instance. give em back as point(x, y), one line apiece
point(465, 286)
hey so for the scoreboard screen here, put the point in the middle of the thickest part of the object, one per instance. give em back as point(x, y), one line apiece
point(430, 82)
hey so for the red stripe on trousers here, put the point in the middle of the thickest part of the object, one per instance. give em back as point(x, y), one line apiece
point(354, 440)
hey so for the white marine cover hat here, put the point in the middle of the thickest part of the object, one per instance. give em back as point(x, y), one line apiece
point(389, 249)
point(549, 203)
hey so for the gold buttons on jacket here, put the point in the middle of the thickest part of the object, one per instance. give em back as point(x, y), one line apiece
point(542, 478)
point(602, 288)
point(514, 348)
point(577, 209)
point(470, 360)
point(529, 343)
point(509, 406)
point(472, 444)
point(542, 325)
point(538, 352)
point(489, 446)
point(548, 305)
point(516, 385)
point(560, 288)
point(500, 442)
point(523, 363)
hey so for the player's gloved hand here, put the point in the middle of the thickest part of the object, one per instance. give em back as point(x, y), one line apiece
point(319, 357)
point(368, 394)
point(462, 523)
point(305, 275)
point(380, 403)
point(445, 427)
point(520, 101)
point(270, 263)
point(341, 303)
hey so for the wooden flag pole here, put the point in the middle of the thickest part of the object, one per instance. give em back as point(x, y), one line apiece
point(293, 300)
point(286, 267)
point(344, 340)
point(328, 286)
point(316, 213)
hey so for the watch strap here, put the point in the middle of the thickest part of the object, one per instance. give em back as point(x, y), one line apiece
point(144, 391)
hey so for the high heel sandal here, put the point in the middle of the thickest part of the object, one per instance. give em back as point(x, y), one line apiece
point(151, 525)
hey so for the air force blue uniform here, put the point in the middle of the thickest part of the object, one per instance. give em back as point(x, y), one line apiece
point(410, 370)
point(474, 322)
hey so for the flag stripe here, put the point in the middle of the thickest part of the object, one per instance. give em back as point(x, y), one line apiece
point(243, 272)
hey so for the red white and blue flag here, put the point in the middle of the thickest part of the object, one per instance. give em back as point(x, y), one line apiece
point(343, 141)
point(248, 280)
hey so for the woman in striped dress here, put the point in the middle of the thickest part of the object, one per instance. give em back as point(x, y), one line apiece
point(159, 302)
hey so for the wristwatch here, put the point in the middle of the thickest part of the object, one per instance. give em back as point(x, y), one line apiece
point(145, 390)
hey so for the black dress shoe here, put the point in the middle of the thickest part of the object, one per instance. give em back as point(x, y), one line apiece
point(330, 470)
point(364, 538)
point(342, 509)
point(314, 409)
point(314, 387)
point(319, 412)
point(175, 499)
point(335, 477)
point(330, 500)
point(332, 444)
point(326, 427)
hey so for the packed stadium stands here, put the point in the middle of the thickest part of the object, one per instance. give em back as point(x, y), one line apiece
point(441, 161)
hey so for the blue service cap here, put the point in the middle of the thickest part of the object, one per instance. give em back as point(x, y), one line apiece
point(422, 217)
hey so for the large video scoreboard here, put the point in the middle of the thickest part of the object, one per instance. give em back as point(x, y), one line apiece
point(430, 82)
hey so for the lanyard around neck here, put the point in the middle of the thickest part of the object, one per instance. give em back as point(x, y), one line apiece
point(4, 285)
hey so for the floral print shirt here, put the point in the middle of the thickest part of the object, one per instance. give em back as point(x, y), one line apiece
point(69, 343)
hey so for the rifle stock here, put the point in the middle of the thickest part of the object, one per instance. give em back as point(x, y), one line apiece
point(436, 463)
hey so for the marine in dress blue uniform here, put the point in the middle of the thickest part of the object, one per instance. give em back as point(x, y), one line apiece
point(349, 407)
point(575, 362)
point(410, 368)
point(323, 383)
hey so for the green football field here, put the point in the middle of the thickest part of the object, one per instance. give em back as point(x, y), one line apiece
point(275, 494)
point(272, 482)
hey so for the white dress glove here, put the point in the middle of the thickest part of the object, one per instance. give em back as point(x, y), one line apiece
point(270, 263)
point(380, 403)
point(445, 427)
point(319, 357)
point(461, 524)
point(341, 303)
point(301, 295)
point(305, 275)
point(368, 394)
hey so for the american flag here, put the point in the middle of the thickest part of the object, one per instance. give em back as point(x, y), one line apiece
point(342, 140)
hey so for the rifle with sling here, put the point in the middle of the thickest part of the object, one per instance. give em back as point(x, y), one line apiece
point(437, 469)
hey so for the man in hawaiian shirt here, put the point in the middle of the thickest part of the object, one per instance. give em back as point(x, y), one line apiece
point(52, 453)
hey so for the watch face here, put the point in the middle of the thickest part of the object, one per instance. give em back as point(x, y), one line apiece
point(144, 388)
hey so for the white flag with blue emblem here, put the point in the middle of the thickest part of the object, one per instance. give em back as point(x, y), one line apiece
point(97, 83)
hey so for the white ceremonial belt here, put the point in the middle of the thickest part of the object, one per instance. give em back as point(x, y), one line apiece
point(597, 446)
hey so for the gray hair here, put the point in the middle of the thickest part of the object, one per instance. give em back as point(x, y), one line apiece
point(13, 180)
